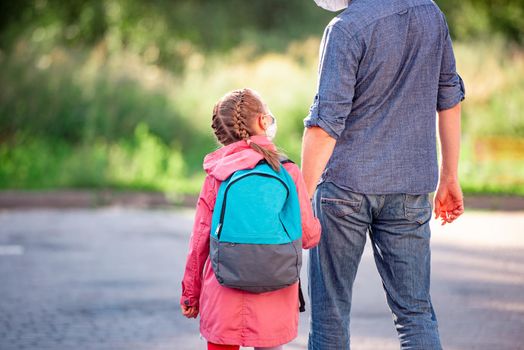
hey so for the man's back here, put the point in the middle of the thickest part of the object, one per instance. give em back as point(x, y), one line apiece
point(386, 67)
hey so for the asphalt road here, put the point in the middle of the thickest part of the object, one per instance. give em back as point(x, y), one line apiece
point(110, 279)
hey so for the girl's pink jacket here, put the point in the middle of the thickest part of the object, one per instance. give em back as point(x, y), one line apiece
point(231, 316)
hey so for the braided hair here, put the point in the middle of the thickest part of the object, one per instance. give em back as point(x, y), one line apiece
point(233, 118)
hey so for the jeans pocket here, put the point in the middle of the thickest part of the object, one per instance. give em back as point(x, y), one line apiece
point(417, 208)
point(340, 207)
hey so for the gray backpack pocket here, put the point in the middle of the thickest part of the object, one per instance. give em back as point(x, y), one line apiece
point(256, 268)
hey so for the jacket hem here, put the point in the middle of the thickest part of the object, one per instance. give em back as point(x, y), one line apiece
point(248, 341)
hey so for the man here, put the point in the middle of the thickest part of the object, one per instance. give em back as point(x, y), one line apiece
point(386, 68)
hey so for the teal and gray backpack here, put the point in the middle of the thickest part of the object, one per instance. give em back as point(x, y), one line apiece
point(256, 230)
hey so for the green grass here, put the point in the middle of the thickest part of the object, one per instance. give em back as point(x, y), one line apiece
point(141, 163)
point(486, 168)
point(77, 118)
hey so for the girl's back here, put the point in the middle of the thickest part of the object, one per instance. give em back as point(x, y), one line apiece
point(231, 316)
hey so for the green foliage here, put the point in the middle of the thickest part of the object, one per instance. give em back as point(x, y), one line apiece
point(119, 93)
point(98, 122)
point(143, 163)
point(494, 77)
point(78, 98)
point(164, 32)
point(492, 165)
point(481, 19)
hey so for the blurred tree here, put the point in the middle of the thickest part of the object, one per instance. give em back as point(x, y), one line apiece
point(474, 19)
point(212, 24)
point(170, 27)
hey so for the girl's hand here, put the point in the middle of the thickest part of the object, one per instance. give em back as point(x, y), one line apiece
point(189, 311)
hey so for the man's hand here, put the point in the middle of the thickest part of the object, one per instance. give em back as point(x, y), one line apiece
point(189, 311)
point(449, 202)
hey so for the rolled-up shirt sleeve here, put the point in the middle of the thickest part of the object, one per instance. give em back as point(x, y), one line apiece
point(451, 88)
point(339, 57)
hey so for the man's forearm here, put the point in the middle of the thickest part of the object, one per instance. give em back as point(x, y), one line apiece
point(449, 133)
point(317, 147)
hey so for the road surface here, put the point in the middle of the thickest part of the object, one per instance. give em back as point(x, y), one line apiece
point(110, 279)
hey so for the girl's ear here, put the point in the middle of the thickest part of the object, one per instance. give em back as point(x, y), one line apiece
point(262, 121)
point(260, 124)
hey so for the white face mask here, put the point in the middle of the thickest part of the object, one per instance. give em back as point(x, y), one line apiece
point(271, 130)
point(332, 5)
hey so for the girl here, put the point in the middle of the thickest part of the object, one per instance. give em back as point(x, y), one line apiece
point(230, 318)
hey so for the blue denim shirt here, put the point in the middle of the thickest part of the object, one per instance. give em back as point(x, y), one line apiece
point(386, 67)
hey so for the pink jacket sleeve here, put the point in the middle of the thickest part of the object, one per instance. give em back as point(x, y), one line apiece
point(310, 224)
point(199, 244)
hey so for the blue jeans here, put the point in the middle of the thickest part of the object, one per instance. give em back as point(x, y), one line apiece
point(398, 226)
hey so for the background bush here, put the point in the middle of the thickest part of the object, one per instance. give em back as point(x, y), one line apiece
point(119, 93)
